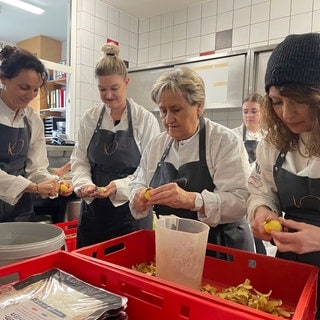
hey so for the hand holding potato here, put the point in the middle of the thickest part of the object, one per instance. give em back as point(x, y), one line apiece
point(48, 188)
point(141, 199)
point(86, 191)
point(65, 188)
point(104, 191)
point(172, 195)
point(169, 194)
point(272, 225)
point(262, 214)
point(304, 239)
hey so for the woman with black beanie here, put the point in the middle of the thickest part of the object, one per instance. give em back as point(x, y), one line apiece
point(285, 184)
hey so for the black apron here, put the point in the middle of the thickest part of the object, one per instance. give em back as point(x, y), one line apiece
point(250, 145)
point(112, 155)
point(299, 200)
point(14, 146)
point(195, 177)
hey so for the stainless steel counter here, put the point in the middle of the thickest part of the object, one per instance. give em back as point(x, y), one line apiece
point(58, 155)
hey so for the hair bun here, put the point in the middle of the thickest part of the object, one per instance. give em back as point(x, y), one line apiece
point(7, 51)
point(110, 49)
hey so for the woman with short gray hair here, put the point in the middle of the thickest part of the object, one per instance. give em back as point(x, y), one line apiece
point(196, 169)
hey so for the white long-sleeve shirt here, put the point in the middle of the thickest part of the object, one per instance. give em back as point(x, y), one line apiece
point(227, 163)
point(12, 187)
point(145, 127)
point(250, 135)
point(262, 187)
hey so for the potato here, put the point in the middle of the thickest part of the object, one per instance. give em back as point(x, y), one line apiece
point(101, 189)
point(272, 225)
point(63, 187)
point(147, 193)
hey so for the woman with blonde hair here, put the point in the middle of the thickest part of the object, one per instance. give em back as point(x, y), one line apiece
point(250, 131)
point(111, 139)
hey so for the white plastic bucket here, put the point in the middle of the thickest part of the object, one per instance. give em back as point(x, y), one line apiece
point(23, 240)
point(180, 250)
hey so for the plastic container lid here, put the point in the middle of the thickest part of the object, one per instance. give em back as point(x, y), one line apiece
point(20, 240)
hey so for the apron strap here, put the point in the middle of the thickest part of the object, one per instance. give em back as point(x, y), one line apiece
point(279, 162)
point(130, 128)
point(100, 119)
point(244, 133)
point(202, 145)
point(202, 142)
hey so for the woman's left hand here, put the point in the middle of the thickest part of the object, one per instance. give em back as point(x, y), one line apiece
point(104, 192)
point(172, 195)
point(305, 238)
point(65, 189)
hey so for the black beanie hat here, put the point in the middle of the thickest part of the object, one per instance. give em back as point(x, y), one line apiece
point(295, 60)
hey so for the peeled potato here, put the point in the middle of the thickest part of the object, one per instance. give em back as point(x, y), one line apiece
point(272, 225)
point(101, 189)
point(63, 187)
point(147, 193)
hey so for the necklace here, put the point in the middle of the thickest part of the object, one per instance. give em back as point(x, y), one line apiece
point(306, 153)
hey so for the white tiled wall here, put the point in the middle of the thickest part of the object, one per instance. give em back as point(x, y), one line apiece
point(183, 34)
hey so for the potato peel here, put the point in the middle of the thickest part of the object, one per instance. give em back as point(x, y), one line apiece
point(149, 269)
point(243, 294)
point(246, 295)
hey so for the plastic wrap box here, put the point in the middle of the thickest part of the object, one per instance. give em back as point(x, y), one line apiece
point(294, 283)
point(146, 299)
point(70, 230)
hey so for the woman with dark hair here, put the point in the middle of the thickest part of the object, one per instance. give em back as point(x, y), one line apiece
point(286, 182)
point(23, 156)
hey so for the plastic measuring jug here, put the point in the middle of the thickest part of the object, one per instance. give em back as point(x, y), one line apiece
point(180, 250)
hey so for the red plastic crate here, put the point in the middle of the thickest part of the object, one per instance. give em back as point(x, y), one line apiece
point(294, 283)
point(70, 230)
point(146, 299)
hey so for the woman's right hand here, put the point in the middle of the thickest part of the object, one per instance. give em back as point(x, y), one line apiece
point(86, 191)
point(140, 202)
point(48, 188)
point(262, 214)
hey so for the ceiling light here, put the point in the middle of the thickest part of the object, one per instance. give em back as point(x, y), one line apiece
point(23, 5)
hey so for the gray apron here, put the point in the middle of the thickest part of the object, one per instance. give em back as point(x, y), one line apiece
point(300, 201)
point(195, 177)
point(250, 145)
point(112, 155)
point(14, 146)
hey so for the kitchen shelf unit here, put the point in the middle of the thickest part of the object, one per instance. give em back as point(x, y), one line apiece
point(41, 103)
